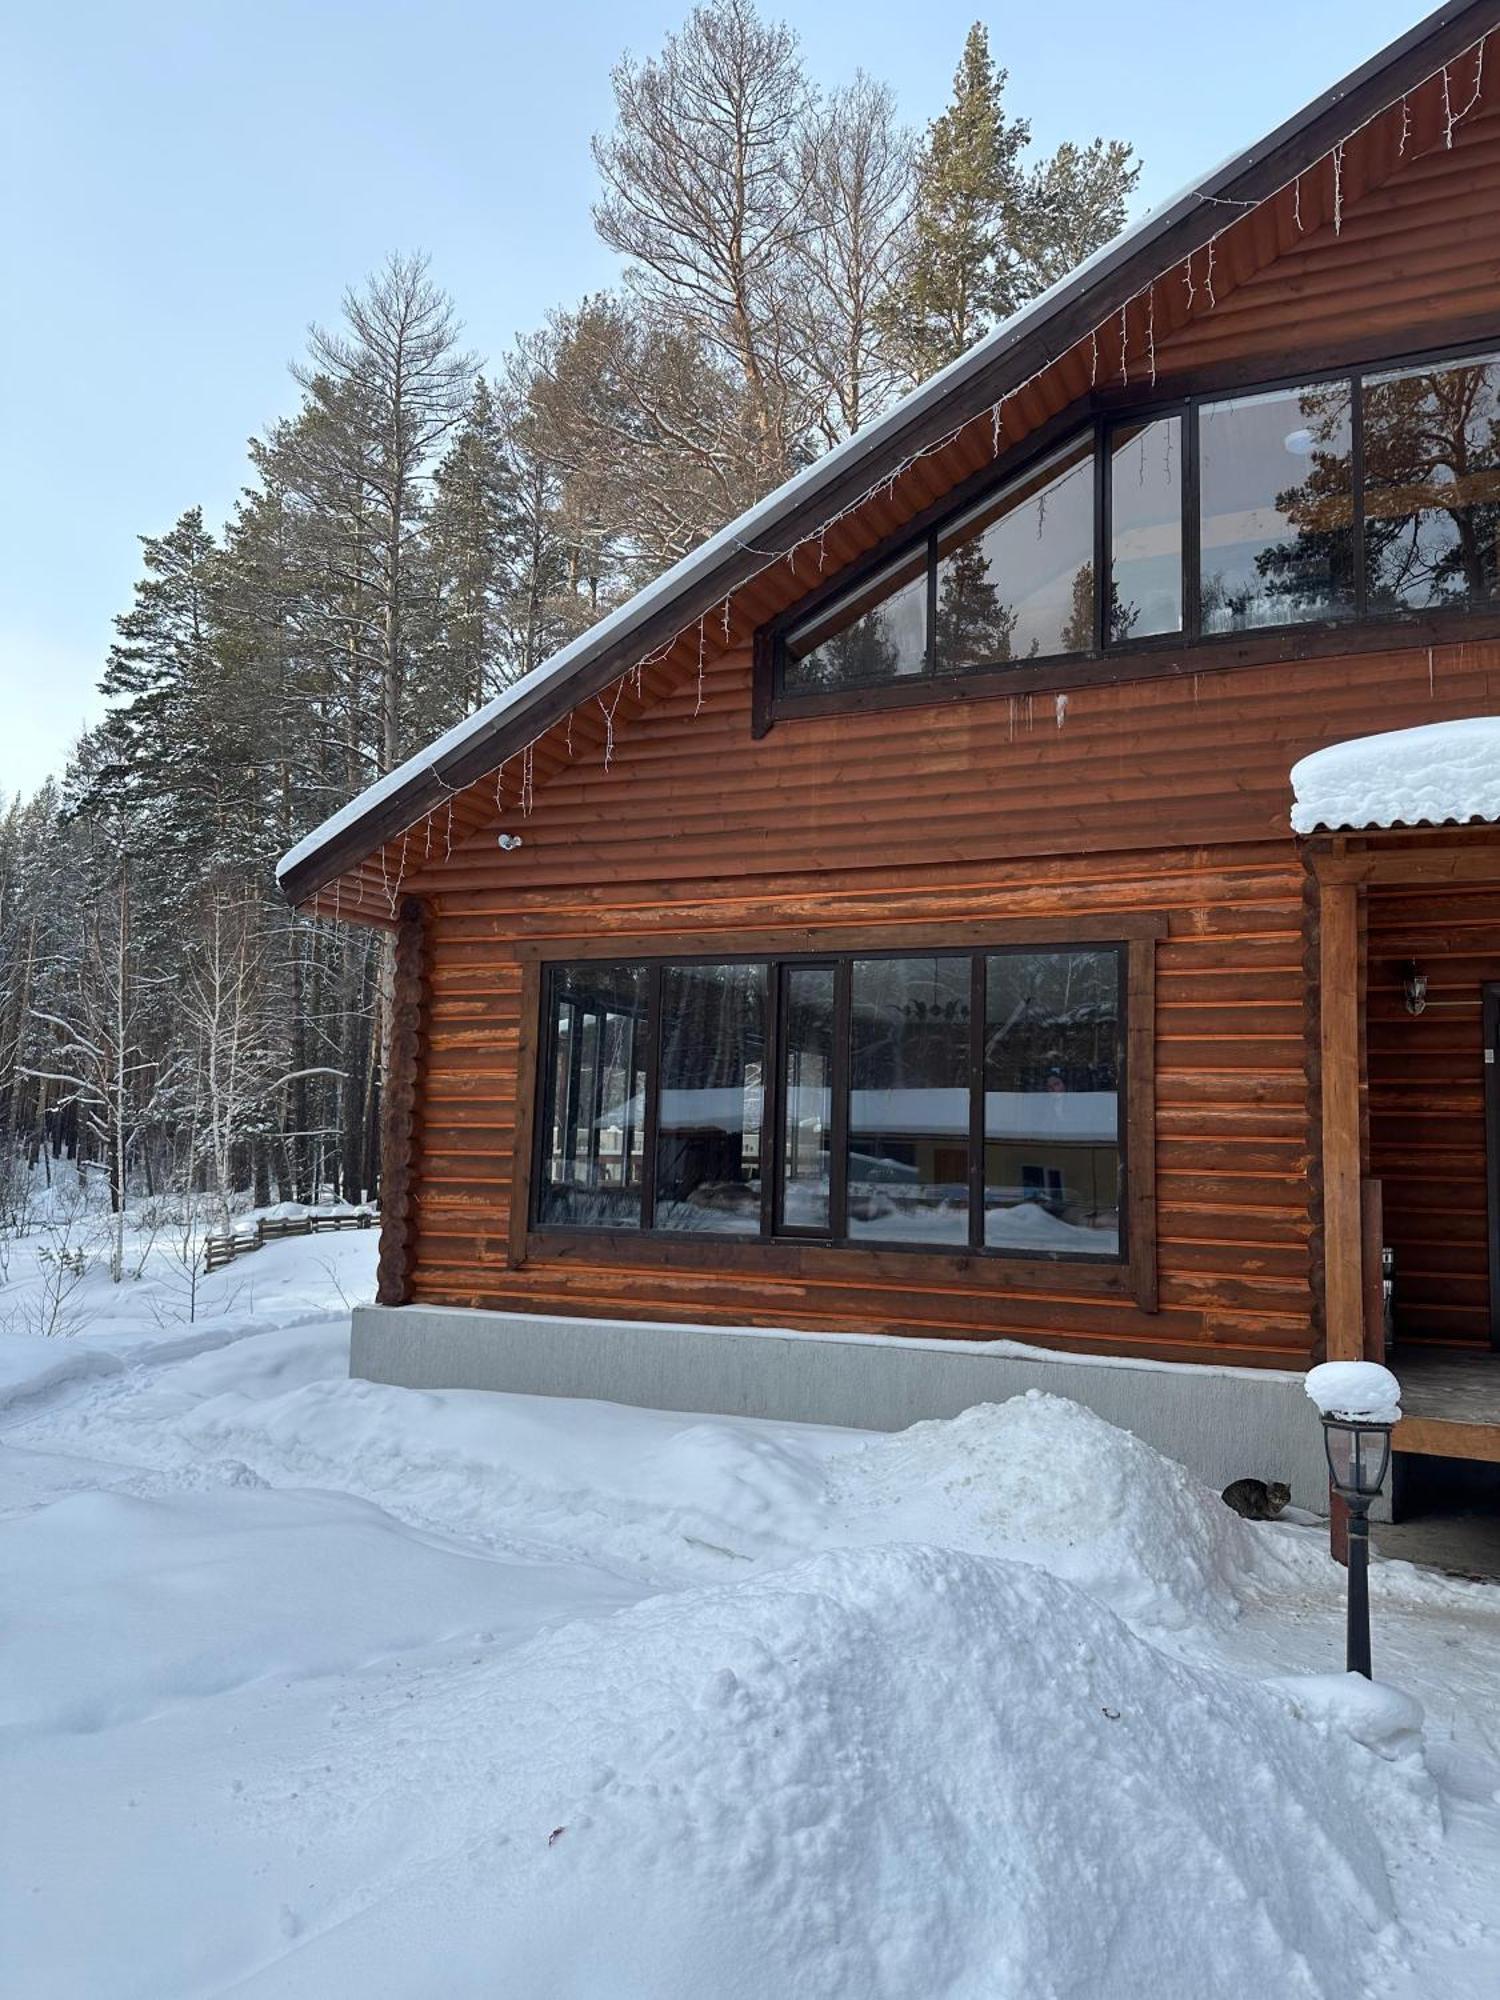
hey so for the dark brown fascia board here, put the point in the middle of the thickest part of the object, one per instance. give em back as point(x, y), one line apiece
point(1037, 335)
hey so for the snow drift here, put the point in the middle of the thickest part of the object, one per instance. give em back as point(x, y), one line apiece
point(881, 1774)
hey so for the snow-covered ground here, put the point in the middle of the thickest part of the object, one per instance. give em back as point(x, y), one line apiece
point(311, 1687)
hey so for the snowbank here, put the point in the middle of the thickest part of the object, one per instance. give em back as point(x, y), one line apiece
point(1039, 1479)
point(1440, 772)
point(1043, 1480)
point(187, 1595)
point(32, 1365)
point(898, 1772)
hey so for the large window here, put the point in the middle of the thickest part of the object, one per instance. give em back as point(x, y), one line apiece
point(1432, 486)
point(1015, 575)
point(596, 1108)
point(1277, 508)
point(1363, 495)
point(959, 1101)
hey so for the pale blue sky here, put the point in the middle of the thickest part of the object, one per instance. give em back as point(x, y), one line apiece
point(186, 186)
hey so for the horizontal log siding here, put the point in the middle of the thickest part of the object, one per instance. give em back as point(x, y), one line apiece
point(1411, 258)
point(1426, 1094)
point(1166, 797)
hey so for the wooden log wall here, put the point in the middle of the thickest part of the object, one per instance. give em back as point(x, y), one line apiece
point(1164, 797)
point(1426, 1095)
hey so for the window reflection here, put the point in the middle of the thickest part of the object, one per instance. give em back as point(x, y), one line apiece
point(1051, 1102)
point(877, 633)
point(807, 1097)
point(1277, 508)
point(1432, 486)
point(909, 1100)
point(1015, 576)
point(710, 1097)
point(1145, 469)
point(593, 1120)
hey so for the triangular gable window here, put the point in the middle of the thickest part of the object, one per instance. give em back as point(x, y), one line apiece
point(1011, 578)
point(1365, 496)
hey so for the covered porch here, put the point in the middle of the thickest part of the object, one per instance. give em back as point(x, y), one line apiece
point(1401, 837)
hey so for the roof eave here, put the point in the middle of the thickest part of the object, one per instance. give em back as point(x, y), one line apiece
point(1039, 333)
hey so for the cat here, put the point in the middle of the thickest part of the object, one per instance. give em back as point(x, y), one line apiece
point(1256, 1499)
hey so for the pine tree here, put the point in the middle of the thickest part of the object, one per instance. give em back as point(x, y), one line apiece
point(987, 233)
point(473, 536)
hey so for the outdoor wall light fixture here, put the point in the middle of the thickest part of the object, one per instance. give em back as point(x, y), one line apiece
point(1359, 1456)
point(1414, 985)
point(509, 841)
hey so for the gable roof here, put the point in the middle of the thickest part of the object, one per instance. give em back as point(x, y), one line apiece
point(1001, 365)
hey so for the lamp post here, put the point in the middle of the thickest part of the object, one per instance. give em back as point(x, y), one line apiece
point(1359, 1455)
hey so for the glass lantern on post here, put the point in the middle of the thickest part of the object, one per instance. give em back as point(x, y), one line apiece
point(1359, 1456)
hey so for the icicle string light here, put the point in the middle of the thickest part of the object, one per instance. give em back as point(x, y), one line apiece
point(607, 710)
point(1453, 115)
point(1454, 118)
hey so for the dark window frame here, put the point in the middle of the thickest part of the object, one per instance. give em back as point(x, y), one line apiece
point(1131, 1274)
point(1156, 655)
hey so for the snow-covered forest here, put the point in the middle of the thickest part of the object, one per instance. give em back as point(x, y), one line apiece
point(420, 528)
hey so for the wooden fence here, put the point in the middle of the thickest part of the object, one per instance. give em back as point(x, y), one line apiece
point(223, 1249)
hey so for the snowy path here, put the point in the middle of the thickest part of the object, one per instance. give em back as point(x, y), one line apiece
point(318, 1687)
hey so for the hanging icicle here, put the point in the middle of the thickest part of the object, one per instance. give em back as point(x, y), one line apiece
point(1338, 187)
point(1124, 345)
point(1297, 203)
point(1151, 330)
point(528, 767)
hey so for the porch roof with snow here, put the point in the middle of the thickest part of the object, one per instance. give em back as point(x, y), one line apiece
point(999, 385)
point(1442, 774)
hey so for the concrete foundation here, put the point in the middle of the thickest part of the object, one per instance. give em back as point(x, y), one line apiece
point(1223, 1423)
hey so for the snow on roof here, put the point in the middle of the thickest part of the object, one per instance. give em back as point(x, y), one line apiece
point(1358, 1389)
point(1440, 773)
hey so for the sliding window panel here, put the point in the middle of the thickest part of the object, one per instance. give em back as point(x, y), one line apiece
point(1053, 1182)
point(592, 1141)
point(1015, 576)
point(1276, 508)
point(872, 634)
point(806, 1060)
point(1432, 486)
point(711, 1099)
point(1145, 507)
point(909, 1098)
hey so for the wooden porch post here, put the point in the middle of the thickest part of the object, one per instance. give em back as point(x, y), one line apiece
point(1343, 1233)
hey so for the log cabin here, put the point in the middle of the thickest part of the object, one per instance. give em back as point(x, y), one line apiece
point(875, 968)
